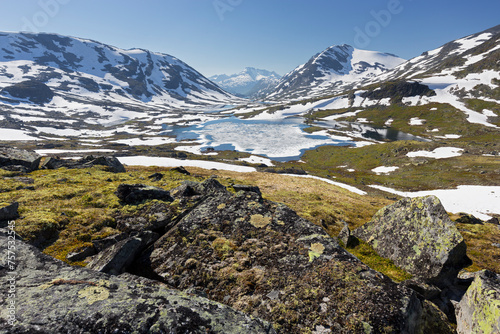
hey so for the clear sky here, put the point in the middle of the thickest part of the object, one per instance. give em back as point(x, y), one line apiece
point(224, 36)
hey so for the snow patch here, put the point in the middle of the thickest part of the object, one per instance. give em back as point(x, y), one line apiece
point(384, 170)
point(438, 153)
point(480, 201)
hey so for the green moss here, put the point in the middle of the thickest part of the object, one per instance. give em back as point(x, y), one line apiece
point(370, 257)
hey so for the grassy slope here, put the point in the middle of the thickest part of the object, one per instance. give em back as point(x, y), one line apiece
point(70, 208)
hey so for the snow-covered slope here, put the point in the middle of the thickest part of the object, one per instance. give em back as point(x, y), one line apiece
point(467, 68)
point(93, 73)
point(251, 82)
point(335, 70)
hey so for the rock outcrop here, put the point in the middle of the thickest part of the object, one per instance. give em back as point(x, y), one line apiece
point(479, 310)
point(111, 163)
point(419, 237)
point(18, 160)
point(261, 258)
point(52, 297)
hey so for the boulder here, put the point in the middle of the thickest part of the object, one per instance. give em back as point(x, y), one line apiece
point(113, 164)
point(260, 257)
point(347, 238)
point(15, 159)
point(115, 259)
point(181, 170)
point(53, 297)
point(418, 235)
point(102, 244)
point(136, 193)
point(9, 212)
point(479, 310)
point(468, 219)
point(243, 187)
point(156, 176)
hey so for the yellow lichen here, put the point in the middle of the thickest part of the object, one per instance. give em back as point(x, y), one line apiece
point(94, 294)
point(316, 250)
point(221, 206)
point(260, 221)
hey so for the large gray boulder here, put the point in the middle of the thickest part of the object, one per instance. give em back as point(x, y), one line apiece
point(479, 310)
point(12, 158)
point(418, 235)
point(260, 257)
point(52, 297)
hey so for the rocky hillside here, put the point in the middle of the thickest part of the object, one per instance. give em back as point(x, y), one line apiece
point(82, 78)
point(187, 254)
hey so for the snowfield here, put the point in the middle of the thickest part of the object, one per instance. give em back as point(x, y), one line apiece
point(480, 201)
point(438, 153)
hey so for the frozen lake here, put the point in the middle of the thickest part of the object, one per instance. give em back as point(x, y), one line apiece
point(280, 140)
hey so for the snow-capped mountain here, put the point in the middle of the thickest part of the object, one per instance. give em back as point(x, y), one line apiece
point(471, 54)
point(98, 76)
point(251, 82)
point(335, 70)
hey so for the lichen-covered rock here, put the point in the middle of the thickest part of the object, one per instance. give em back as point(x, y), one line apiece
point(52, 297)
point(260, 257)
point(15, 159)
point(479, 310)
point(418, 235)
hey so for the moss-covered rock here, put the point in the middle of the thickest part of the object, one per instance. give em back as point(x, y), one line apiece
point(418, 235)
point(479, 310)
point(260, 257)
point(52, 297)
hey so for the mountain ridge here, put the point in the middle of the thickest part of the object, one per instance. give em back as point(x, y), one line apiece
point(251, 82)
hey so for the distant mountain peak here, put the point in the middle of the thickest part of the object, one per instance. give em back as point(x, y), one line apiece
point(335, 69)
point(248, 83)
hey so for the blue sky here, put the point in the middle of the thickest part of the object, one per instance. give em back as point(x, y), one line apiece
point(224, 36)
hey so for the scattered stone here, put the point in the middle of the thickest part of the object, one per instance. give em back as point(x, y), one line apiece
point(115, 259)
point(25, 180)
point(418, 235)
point(493, 221)
point(181, 170)
point(347, 238)
point(468, 219)
point(156, 176)
point(496, 245)
point(479, 309)
point(18, 160)
point(242, 187)
point(136, 193)
point(53, 297)
point(35, 91)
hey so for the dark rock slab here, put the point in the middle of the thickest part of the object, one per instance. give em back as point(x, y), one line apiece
point(419, 237)
point(181, 170)
point(52, 297)
point(115, 259)
point(136, 193)
point(243, 187)
point(13, 159)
